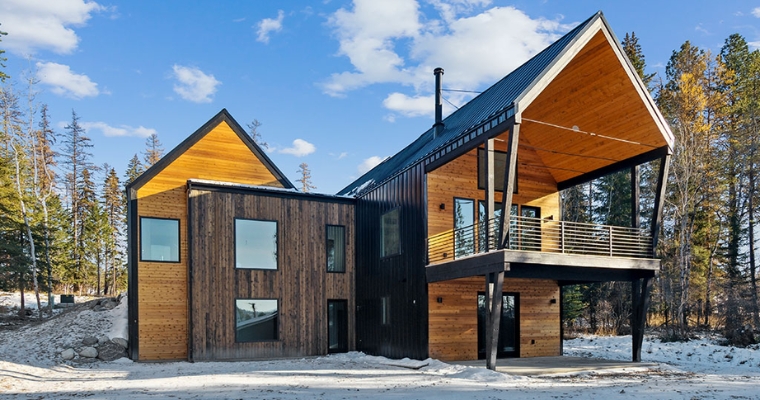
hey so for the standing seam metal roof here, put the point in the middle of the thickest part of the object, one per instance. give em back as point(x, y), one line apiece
point(493, 100)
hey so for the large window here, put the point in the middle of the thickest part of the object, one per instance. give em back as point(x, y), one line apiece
point(336, 248)
point(255, 244)
point(256, 320)
point(390, 239)
point(499, 166)
point(159, 239)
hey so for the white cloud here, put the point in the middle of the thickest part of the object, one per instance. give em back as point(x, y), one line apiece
point(392, 42)
point(756, 12)
point(369, 163)
point(121, 130)
point(269, 25)
point(64, 82)
point(44, 25)
point(754, 45)
point(194, 85)
point(300, 148)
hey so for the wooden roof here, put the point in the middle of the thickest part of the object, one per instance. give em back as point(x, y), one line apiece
point(580, 104)
point(222, 117)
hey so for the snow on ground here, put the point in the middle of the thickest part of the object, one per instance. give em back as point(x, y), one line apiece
point(30, 367)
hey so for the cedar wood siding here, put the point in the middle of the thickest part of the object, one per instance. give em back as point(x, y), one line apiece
point(301, 283)
point(401, 277)
point(158, 291)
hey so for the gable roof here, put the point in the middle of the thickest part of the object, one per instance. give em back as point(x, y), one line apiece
point(505, 98)
point(222, 116)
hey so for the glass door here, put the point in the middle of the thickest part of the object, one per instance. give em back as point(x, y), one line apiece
point(509, 328)
point(337, 326)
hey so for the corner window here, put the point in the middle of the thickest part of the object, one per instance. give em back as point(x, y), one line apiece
point(499, 167)
point(255, 244)
point(390, 240)
point(336, 248)
point(159, 239)
point(256, 320)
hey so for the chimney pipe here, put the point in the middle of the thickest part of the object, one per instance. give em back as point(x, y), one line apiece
point(438, 126)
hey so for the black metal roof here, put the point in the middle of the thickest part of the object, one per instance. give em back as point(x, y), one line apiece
point(498, 98)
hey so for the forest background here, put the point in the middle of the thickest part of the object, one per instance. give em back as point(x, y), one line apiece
point(63, 218)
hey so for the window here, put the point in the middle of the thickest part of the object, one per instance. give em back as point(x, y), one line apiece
point(464, 227)
point(256, 320)
point(337, 326)
point(385, 310)
point(499, 165)
point(336, 248)
point(255, 244)
point(390, 240)
point(159, 239)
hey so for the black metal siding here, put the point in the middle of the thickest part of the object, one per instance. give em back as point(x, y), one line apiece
point(400, 277)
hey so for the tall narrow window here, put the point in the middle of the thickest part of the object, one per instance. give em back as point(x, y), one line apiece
point(159, 239)
point(255, 244)
point(499, 166)
point(385, 310)
point(464, 227)
point(390, 240)
point(256, 320)
point(336, 248)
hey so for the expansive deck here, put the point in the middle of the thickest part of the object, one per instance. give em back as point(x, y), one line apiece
point(539, 244)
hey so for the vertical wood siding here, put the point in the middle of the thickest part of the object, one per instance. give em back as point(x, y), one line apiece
point(400, 277)
point(301, 284)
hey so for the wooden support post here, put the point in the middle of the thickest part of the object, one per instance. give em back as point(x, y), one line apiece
point(492, 337)
point(659, 201)
point(640, 299)
point(490, 193)
point(509, 185)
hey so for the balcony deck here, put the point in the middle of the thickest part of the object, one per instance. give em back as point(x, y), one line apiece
point(567, 251)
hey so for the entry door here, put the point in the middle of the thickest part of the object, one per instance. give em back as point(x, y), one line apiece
point(509, 329)
point(337, 326)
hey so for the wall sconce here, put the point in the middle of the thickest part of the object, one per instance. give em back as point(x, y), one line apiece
point(442, 206)
point(439, 300)
point(553, 301)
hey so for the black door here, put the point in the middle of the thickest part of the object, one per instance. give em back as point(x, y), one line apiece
point(337, 326)
point(509, 329)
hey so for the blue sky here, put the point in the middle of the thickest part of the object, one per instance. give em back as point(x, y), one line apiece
point(337, 84)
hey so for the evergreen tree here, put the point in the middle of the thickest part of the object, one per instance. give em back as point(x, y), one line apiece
point(114, 211)
point(632, 49)
point(3, 76)
point(153, 150)
point(305, 179)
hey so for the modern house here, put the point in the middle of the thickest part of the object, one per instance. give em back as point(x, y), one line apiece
point(227, 261)
point(443, 272)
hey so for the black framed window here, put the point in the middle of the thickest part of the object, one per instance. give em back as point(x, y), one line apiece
point(464, 227)
point(336, 248)
point(390, 235)
point(499, 165)
point(385, 310)
point(255, 244)
point(159, 239)
point(256, 320)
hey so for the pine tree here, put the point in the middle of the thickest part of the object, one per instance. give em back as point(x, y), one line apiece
point(114, 210)
point(305, 179)
point(153, 150)
point(632, 49)
point(253, 131)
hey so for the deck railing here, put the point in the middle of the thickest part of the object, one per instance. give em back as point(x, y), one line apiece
point(542, 235)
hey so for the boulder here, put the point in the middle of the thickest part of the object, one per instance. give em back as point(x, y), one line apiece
point(120, 341)
point(89, 340)
point(103, 339)
point(67, 354)
point(88, 352)
point(111, 351)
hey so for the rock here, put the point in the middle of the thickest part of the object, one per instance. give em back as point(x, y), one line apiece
point(103, 339)
point(111, 351)
point(67, 354)
point(89, 352)
point(109, 305)
point(120, 341)
point(98, 308)
point(89, 340)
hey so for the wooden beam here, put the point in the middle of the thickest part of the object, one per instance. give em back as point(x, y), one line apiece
point(659, 200)
point(492, 345)
point(635, 208)
point(618, 166)
point(478, 264)
point(509, 185)
point(490, 191)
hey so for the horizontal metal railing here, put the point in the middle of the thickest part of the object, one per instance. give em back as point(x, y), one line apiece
point(536, 234)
